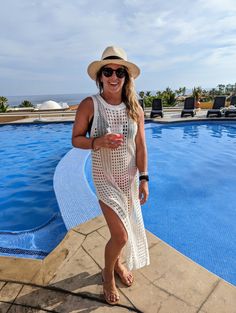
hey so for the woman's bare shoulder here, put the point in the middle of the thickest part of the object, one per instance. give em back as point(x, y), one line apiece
point(86, 105)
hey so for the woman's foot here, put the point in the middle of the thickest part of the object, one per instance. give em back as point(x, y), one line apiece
point(125, 276)
point(110, 291)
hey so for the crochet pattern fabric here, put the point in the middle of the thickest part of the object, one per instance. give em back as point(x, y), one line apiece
point(115, 177)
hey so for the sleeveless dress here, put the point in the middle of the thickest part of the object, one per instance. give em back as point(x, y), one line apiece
point(115, 177)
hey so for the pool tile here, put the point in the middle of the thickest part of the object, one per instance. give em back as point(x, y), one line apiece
point(222, 299)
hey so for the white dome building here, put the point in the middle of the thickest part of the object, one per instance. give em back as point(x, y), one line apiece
point(49, 105)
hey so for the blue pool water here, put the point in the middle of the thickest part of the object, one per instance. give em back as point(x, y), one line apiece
point(192, 192)
point(192, 206)
point(192, 188)
point(29, 155)
point(30, 221)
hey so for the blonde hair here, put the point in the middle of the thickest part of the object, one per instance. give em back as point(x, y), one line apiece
point(129, 96)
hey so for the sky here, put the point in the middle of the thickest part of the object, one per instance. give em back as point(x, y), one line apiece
point(46, 45)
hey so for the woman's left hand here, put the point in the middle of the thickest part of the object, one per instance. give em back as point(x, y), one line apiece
point(143, 191)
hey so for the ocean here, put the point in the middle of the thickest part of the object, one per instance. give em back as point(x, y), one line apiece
point(70, 99)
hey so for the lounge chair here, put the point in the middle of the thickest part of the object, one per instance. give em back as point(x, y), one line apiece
point(218, 105)
point(189, 107)
point(141, 102)
point(232, 107)
point(156, 108)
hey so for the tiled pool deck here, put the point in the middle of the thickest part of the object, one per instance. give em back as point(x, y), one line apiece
point(69, 279)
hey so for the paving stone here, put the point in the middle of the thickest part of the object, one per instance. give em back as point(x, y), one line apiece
point(143, 294)
point(152, 239)
point(80, 273)
point(4, 307)
point(10, 291)
point(61, 254)
point(59, 302)
point(9, 268)
point(91, 225)
point(104, 232)
point(178, 275)
point(222, 300)
point(2, 283)
point(40, 297)
point(94, 244)
point(175, 305)
point(22, 309)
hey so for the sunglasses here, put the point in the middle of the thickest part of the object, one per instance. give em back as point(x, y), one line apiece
point(108, 72)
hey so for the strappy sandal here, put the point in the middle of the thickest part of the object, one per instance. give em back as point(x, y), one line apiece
point(124, 279)
point(106, 297)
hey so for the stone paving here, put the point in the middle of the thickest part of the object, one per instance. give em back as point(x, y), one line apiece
point(172, 283)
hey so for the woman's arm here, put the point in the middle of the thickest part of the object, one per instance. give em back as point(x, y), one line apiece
point(83, 116)
point(141, 157)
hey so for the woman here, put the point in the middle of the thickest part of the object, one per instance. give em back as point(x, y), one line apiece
point(115, 121)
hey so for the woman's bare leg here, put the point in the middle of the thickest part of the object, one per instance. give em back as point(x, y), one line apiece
point(112, 250)
point(125, 276)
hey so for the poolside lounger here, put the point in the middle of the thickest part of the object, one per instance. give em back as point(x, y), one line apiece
point(232, 108)
point(141, 102)
point(218, 105)
point(189, 107)
point(156, 108)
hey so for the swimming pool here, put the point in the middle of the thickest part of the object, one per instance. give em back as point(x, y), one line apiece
point(30, 221)
point(191, 206)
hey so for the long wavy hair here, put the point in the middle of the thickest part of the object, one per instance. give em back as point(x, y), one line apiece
point(129, 96)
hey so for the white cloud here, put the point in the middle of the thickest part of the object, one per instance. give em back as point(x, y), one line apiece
point(61, 38)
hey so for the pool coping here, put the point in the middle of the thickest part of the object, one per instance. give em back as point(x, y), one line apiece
point(72, 270)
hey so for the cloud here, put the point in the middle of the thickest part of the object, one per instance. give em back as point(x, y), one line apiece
point(57, 38)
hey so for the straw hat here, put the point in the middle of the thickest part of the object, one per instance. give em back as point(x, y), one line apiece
point(113, 55)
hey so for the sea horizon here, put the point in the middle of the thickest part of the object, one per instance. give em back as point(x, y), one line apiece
point(69, 98)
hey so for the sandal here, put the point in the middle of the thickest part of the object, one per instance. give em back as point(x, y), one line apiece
point(125, 278)
point(108, 294)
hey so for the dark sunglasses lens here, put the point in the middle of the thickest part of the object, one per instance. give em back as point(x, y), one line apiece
point(120, 72)
point(107, 72)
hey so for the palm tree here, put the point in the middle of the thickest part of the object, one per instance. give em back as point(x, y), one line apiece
point(26, 104)
point(197, 92)
point(3, 104)
point(221, 88)
point(168, 96)
point(141, 94)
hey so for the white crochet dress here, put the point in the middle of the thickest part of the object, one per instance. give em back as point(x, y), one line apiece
point(116, 178)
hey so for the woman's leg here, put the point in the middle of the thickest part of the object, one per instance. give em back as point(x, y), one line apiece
point(125, 276)
point(113, 249)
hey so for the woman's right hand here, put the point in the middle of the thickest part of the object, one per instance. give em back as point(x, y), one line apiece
point(110, 141)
